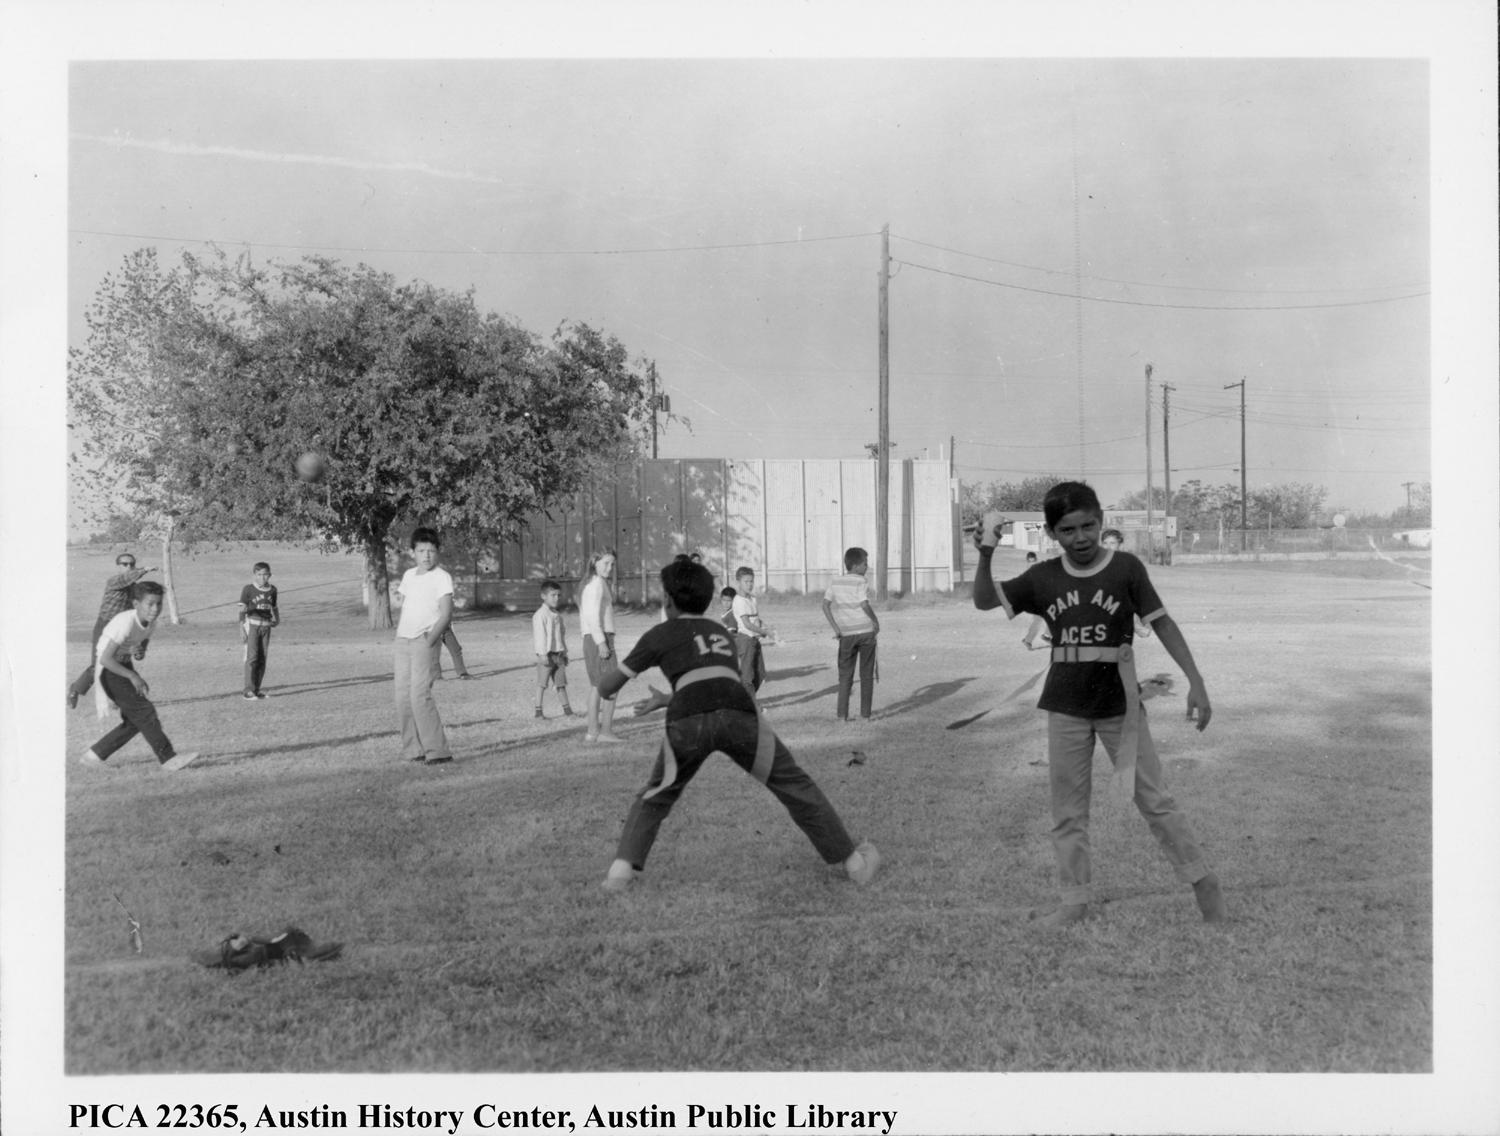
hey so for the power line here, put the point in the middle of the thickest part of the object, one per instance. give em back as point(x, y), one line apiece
point(1147, 304)
point(1149, 284)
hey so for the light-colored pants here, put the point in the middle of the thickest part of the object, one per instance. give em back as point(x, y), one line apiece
point(421, 728)
point(1070, 766)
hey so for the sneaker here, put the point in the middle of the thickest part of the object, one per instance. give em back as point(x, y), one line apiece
point(248, 696)
point(439, 760)
point(620, 877)
point(72, 699)
point(260, 694)
point(420, 759)
point(89, 757)
point(1210, 899)
point(538, 713)
point(608, 739)
point(180, 761)
point(466, 675)
point(863, 864)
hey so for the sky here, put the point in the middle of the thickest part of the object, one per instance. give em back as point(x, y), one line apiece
point(1055, 227)
point(1300, 196)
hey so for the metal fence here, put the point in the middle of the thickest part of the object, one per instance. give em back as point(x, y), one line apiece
point(790, 520)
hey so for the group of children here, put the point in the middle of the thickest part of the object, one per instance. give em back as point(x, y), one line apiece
point(1089, 599)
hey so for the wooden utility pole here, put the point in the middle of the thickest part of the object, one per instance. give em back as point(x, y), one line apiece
point(1166, 450)
point(1407, 486)
point(1150, 533)
point(1244, 473)
point(883, 446)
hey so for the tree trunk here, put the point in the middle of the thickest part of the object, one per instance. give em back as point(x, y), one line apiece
point(377, 584)
point(166, 571)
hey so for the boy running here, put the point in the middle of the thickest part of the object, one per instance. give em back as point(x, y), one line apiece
point(121, 645)
point(1090, 597)
point(710, 709)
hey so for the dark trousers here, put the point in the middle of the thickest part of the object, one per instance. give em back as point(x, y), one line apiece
point(455, 649)
point(735, 733)
point(85, 682)
point(752, 661)
point(138, 716)
point(257, 647)
point(861, 648)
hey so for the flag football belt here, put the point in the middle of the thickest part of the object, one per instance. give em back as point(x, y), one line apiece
point(258, 621)
point(1122, 656)
point(765, 738)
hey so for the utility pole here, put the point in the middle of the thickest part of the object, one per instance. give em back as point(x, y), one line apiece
point(883, 446)
point(1244, 472)
point(659, 403)
point(651, 402)
point(1166, 450)
point(1150, 535)
point(1407, 486)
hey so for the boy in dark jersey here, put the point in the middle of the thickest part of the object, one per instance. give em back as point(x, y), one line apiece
point(1090, 597)
point(711, 709)
point(258, 614)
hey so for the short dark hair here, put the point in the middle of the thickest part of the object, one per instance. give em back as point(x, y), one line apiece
point(743, 570)
point(689, 586)
point(855, 555)
point(728, 593)
point(259, 564)
point(143, 588)
point(130, 556)
point(1070, 497)
point(425, 535)
point(1116, 533)
point(549, 586)
point(1030, 556)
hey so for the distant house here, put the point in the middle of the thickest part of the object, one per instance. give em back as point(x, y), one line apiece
point(1416, 538)
point(1025, 532)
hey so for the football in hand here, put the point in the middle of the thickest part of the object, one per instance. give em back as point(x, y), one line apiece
point(310, 466)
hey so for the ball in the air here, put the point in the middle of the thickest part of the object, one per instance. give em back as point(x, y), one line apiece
point(310, 466)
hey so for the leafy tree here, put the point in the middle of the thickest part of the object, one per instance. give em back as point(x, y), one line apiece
point(201, 384)
point(1024, 496)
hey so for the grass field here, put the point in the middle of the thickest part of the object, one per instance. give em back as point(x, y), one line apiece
point(477, 938)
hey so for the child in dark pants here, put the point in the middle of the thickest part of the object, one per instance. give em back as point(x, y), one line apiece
point(122, 643)
point(846, 606)
point(710, 709)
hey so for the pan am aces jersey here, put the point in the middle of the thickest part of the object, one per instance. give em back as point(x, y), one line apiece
point(1094, 606)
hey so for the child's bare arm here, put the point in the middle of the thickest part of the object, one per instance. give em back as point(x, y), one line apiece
point(986, 596)
point(1172, 639)
point(828, 615)
point(108, 661)
point(613, 682)
point(870, 612)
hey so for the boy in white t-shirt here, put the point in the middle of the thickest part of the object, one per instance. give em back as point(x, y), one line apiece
point(121, 645)
point(426, 593)
point(549, 641)
point(751, 630)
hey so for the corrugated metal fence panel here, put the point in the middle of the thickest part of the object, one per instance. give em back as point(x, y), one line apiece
point(746, 520)
point(932, 517)
point(702, 485)
point(857, 482)
point(784, 526)
point(824, 526)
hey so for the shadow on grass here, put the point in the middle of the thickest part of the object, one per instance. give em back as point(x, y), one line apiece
point(924, 696)
point(797, 697)
point(795, 672)
point(292, 690)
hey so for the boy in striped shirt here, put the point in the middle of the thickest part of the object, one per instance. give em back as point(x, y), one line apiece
point(846, 605)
